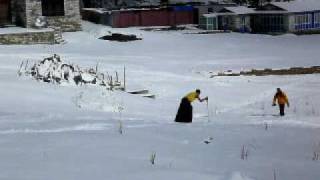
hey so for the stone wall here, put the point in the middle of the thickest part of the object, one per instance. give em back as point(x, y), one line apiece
point(70, 22)
point(33, 10)
point(66, 24)
point(45, 37)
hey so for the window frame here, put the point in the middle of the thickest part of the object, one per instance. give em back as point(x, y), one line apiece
point(53, 8)
point(303, 21)
point(316, 17)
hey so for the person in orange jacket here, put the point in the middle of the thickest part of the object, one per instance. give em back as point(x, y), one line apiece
point(282, 99)
point(184, 113)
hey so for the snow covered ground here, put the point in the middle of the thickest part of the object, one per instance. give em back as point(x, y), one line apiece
point(67, 132)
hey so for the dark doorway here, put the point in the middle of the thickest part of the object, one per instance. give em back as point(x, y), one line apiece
point(196, 16)
point(87, 4)
point(53, 7)
point(4, 12)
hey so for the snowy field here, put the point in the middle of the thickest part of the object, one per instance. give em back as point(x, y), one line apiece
point(70, 132)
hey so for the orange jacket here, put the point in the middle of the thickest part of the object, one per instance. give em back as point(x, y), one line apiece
point(281, 97)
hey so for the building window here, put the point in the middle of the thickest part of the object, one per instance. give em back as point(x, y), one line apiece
point(303, 21)
point(243, 21)
point(52, 7)
point(272, 23)
point(210, 10)
point(317, 19)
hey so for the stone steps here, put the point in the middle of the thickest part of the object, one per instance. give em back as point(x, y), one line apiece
point(58, 39)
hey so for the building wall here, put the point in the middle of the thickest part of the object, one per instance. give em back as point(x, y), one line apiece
point(72, 19)
point(33, 10)
point(69, 22)
point(125, 19)
point(149, 18)
point(152, 17)
point(183, 17)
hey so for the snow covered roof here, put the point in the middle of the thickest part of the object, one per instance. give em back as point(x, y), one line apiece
point(210, 15)
point(139, 3)
point(271, 12)
point(240, 10)
point(97, 10)
point(212, 2)
point(102, 10)
point(298, 5)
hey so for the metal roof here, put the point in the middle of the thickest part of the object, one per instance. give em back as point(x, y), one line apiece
point(210, 15)
point(240, 10)
point(298, 5)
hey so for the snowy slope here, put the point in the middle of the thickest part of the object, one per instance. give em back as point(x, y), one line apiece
point(68, 132)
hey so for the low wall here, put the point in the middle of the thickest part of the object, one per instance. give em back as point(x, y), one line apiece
point(46, 37)
point(65, 24)
point(276, 72)
point(129, 18)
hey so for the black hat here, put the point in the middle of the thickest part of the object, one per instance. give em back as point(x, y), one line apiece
point(198, 91)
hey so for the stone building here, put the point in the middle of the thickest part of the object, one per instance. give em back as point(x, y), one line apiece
point(56, 13)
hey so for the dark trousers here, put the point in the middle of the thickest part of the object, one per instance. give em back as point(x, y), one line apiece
point(281, 107)
point(184, 113)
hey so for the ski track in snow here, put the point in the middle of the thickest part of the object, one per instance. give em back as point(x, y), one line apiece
point(82, 127)
point(87, 127)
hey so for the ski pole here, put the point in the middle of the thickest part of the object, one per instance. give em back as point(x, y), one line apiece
point(208, 110)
